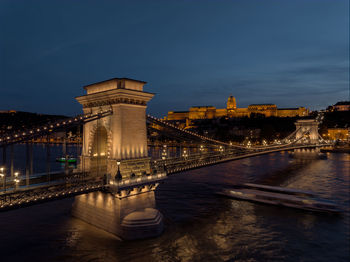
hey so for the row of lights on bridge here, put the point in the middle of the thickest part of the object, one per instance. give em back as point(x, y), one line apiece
point(185, 152)
point(16, 179)
point(55, 125)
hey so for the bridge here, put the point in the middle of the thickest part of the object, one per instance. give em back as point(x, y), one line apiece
point(115, 179)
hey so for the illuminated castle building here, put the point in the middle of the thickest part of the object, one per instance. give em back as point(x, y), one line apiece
point(231, 110)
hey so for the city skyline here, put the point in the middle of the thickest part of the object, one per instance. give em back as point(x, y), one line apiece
point(177, 130)
point(191, 53)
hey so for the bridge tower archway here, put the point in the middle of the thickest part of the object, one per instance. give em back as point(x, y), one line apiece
point(99, 151)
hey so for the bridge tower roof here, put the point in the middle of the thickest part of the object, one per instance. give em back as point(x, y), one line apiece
point(115, 83)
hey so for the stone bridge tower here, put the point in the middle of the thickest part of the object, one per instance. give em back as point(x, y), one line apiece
point(308, 129)
point(120, 138)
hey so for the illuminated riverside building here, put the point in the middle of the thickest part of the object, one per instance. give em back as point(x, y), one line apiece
point(338, 134)
point(340, 106)
point(231, 110)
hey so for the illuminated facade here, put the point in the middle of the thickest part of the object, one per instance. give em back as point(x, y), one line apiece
point(115, 147)
point(120, 137)
point(231, 110)
point(338, 134)
point(7, 111)
point(340, 106)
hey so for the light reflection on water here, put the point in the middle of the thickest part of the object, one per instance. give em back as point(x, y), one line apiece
point(199, 225)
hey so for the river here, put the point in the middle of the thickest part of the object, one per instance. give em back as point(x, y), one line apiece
point(200, 225)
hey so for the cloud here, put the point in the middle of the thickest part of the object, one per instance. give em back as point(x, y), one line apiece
point(329, 71)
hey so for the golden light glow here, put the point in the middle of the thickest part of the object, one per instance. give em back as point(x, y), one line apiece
point(210, 112)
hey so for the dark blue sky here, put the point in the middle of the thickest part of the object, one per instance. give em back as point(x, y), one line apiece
point(291, 53)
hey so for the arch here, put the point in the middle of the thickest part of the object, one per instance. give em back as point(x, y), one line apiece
point(99, 150)
point(92, 135)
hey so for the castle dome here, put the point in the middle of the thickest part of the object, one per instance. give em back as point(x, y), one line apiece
point(231, 103)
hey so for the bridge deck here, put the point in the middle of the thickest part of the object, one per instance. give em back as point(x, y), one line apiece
point(69, 188)
point(180, 164)
point(76, 185)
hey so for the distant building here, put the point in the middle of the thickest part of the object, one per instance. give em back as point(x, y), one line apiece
point(340, 106)
point(231, 110)
point(7, 111)
point(338, 134)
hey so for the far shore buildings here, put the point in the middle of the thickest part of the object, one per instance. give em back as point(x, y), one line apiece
point(231, 110)
point(340, 106)
point(342, 132)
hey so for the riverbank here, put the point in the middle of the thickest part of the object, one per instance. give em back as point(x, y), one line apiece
point(336, 149)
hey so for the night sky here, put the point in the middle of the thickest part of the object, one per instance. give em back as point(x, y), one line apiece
point(291, 53)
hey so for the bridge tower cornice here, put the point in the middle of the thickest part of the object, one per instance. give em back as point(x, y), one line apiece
point(116, 96)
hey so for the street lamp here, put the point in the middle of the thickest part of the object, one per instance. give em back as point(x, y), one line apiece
point(164, 153)
point(16, 180)
point(118, 176)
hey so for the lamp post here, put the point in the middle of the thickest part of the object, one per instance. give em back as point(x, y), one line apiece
point(164, 153)
point(184, 154)
point(16, 180)
point(118, 177)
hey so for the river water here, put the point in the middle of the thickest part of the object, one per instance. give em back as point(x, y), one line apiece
point(200, 225)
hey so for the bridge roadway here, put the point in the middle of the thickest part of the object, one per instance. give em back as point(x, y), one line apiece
point(179, 164)
point(69, 187)
point(76, 184)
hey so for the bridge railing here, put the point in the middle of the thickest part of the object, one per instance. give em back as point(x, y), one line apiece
point(28, 196)
point(179, 164)
point(28, 134)
point(139, 180)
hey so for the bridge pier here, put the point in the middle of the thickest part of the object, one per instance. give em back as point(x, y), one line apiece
point(118, 142)
point(308, 153)
point(133, 217)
